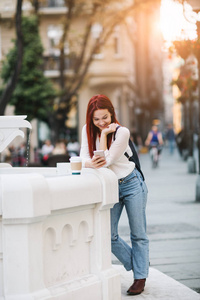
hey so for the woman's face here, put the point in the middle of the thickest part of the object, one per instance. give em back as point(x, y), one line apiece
point(102, 118)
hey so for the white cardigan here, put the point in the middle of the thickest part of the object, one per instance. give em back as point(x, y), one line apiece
point(115, 158)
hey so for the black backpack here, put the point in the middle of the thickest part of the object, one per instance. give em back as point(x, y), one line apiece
point(134, 156)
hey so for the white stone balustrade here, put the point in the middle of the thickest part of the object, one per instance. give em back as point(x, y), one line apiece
point(10, 128)
point(55, 235)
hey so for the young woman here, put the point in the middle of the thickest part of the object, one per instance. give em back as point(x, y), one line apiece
point(98, 134)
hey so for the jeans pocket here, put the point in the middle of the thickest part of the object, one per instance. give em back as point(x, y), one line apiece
point(132, 186)
point(129, 178)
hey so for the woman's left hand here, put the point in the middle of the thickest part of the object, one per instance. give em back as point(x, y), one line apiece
point(111, 128)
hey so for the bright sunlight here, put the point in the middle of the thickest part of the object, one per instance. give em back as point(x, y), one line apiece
point(173, 24)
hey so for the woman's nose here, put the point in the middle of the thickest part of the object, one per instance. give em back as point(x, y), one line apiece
point(101, 122)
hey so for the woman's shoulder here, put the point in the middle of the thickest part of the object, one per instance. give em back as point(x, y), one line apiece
point(84, 128)
point(123, 130)
point(84, 133)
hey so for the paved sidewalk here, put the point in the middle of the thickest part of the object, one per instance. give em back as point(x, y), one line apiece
point(158, 287)
point(173, 229)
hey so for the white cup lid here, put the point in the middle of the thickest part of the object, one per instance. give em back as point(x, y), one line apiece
point(75, 159)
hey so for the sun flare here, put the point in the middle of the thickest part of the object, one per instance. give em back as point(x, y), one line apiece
point(173, 24)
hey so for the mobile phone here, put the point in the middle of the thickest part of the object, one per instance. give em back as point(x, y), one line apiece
point(99, 152)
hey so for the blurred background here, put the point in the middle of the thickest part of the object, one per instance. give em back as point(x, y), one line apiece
point(145, 56)
point(56, 54)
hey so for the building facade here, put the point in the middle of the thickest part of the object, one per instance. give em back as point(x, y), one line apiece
point(149, 59)
point(126, 68)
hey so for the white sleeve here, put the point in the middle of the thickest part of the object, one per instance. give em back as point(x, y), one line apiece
point(118, 146)
point(84, 152)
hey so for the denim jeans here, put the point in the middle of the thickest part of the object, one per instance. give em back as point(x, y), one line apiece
point(171, 146)
point(132, 195)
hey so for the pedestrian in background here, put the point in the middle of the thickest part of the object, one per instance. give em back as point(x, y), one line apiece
point(182, 144)
point(60, 148)
point(98, 134)
point(171, 138)
point(46, 150)
point(154, 138)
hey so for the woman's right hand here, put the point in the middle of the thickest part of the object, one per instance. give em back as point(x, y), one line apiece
point(96, 162)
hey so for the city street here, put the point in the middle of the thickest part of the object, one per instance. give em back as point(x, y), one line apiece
point(173, 220)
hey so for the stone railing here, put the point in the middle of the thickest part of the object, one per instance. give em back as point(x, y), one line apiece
point(55, 235)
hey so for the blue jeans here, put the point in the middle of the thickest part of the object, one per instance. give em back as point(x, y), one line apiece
point(171, 146)
point(132, 195)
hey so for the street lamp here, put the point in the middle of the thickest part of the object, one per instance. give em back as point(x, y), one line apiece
point(196, 9)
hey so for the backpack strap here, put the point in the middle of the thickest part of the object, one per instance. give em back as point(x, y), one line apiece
point(134, 156)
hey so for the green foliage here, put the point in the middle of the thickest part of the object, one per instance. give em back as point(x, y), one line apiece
point(34, 93)
point(8, 64)
point(186, 84)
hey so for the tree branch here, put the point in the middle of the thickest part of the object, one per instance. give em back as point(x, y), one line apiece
point(110, 20)
point(70, 5)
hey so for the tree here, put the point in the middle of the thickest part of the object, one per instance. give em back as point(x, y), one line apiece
point(34, 93)
point(186, 84)
point(12, 80)
point(82, 47)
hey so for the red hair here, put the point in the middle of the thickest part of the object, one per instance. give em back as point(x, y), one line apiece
point(95, 103)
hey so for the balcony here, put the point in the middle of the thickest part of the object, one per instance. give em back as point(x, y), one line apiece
point(7, 9)
point(52, 3)
point(52, 7)
point(52, 65)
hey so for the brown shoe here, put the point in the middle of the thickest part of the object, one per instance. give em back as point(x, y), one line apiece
point(137, 287)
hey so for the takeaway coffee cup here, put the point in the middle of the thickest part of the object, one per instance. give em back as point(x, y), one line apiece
point(76, 165)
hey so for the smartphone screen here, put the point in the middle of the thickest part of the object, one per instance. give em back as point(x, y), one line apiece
point(99, 152)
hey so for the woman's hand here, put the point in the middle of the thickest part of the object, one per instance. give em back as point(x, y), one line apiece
point(96, 162)
point(111, 128)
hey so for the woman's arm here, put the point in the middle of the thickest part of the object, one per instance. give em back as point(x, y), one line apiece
point(117, 149)
point(118, 146)
point(103, 139)
point(88, 162)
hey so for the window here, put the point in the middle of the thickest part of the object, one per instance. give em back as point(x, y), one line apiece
point(116, 41)
point(96, 32)
point(56, 3)
point(116, 45)
point(54, 34)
